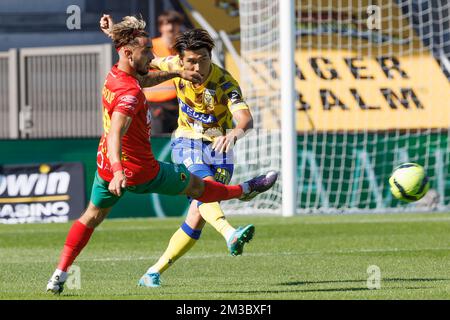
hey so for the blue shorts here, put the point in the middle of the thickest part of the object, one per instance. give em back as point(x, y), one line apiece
point(201, 160)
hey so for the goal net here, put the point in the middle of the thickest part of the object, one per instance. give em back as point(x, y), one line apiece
point(372, 92)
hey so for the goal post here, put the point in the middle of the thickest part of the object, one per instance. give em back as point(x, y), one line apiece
point(288, 134)
point(371, 91)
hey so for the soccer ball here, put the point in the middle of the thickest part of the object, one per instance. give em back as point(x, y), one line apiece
point(409, 182)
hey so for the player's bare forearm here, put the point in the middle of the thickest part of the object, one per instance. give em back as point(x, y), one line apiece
point(244, 122)
point(114, 147)
point(156, 77)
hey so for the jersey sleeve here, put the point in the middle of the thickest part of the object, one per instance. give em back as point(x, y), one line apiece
point(232, 96)
point(127, 102)
point(169, 63)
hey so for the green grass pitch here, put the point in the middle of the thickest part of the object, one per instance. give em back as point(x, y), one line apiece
point(303, 257)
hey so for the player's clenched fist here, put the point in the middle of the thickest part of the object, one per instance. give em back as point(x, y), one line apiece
point(192, 76)
point(106, 24)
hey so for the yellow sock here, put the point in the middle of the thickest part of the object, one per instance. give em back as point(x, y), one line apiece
point(213, 214)
point(179, 244)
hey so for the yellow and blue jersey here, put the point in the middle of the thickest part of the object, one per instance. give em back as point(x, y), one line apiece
point(206, 110)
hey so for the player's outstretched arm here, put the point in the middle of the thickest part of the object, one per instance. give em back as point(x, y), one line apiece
point(156, 77)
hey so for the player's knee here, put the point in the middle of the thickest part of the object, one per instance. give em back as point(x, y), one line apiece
point(93, 215)
point(194, 218)
point(195, 188)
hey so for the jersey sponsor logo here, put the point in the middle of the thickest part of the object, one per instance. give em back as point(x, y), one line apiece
point(191, 113)
point(128, 99)
point(128, 102)
point(222, 175)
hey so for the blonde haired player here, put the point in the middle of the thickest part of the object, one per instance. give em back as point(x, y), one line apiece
point(203, 141)
point(125, 161)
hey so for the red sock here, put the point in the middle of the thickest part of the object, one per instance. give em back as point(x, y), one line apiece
point(215, 191)
point(77, 238)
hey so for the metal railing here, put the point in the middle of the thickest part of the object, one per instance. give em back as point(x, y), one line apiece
point(60, 90)
point(52, 92)
point(4, 94)
point(9, 103)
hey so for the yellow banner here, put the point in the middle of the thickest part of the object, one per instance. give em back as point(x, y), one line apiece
point(340, 91)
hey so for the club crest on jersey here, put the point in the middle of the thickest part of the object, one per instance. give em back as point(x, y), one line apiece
point(183, 176)
point(208, 98)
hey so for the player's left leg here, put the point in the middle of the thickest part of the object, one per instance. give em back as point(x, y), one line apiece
point(189, 232)
point(186, 237)
point(180, 243)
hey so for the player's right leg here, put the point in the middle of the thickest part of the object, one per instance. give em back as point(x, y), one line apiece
point(80, 232)
point(212, 191)
point(77, 238)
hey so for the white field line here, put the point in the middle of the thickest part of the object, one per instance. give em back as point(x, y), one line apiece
point(369, 221)
point(159, 227)
point(209, 256)
point(225, 256)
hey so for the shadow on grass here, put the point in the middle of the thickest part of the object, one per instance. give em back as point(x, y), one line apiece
point(352, 289)
point(168, 293)
point(299, 283)
point(146, 293)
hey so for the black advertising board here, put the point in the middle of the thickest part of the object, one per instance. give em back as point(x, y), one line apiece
point(49, 192)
